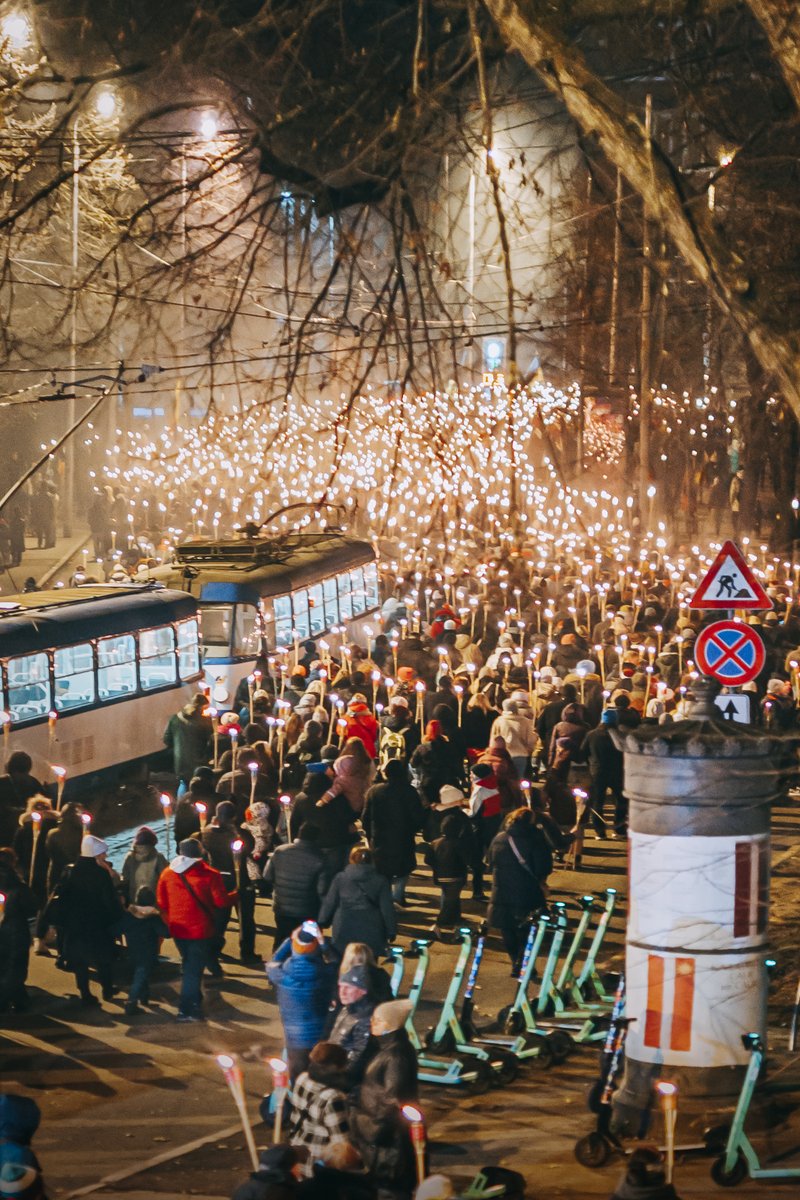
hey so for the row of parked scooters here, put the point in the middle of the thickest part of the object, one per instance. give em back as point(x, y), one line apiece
point(571, 1005)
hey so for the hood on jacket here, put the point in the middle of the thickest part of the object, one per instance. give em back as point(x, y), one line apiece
point(182, 862)
point(572, 715)
point(19, 1118)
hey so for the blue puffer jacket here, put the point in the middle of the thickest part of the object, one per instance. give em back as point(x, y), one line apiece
point(305, 984)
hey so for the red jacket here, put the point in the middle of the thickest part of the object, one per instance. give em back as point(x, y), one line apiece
point(184, 916)
point(362, 725)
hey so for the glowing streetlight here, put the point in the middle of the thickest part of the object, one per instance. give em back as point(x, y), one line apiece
point(106, 104)
point(208, 126)
point(15, 29)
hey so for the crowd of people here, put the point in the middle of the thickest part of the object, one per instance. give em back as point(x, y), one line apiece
point(457, 747)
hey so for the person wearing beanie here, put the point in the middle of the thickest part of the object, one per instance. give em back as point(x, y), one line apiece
point(607, 774)
point(319, 1104)
point(296, 879)
point(303, 972)
point(189, 893)
point(87, 909)
point(351, 1029)
point(20, 1171)
point(377, 1127)
point(142, 866)
point(143, 930)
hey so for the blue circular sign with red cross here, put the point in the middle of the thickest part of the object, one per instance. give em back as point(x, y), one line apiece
point(730, 651)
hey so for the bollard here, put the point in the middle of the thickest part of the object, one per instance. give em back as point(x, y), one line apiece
point(699, 858)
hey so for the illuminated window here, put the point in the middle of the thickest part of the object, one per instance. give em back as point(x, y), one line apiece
point(359, 595)
point(74, 676)
point(157, 657)
point(300, 609)
point(331, 602)
point(28, 687)
point(246, 638)
point(283, 620)
point(188, 649)
point(316, 610)
point(345, 596)
point(116, 662)
point(371, 585)
point(217, 622)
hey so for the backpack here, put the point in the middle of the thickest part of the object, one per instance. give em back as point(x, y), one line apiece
point(393, 745)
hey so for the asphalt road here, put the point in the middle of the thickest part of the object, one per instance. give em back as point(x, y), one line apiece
point(141, 1104)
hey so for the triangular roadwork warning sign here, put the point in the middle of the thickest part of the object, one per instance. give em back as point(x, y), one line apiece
point(730, 583)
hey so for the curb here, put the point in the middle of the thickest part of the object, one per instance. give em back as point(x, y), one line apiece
point(63, 561)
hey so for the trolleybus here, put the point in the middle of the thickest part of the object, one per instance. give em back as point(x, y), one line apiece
point(91, 675)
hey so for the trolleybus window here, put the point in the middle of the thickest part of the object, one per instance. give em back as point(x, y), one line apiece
point(300, 608)
point(345, 596)
point(371, 585)
point(331, 602)
point(217, 620)
point(156, 657)
point(246, 643)
point(357, 584)
point(73, 667)
point(116, 661)
point(28, 687)
point(283, 620)
point(188, 653)
point(316, 612)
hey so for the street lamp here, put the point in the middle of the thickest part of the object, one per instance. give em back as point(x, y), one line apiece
point(209, 126)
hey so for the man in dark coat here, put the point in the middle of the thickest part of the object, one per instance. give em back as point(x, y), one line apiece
point(377, 1127)
point(15, 939)
point(17, 787)
point(358, 906)
point(351, 1029)
point(296, 877)
point(334, 819)
point(521, 860)
point(89, 910)
point(31, 846)
point(550, 716)
point(188, 735)
point(607, 772)
point(391, 817)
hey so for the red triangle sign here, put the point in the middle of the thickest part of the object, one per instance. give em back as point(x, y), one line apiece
point(730, 583)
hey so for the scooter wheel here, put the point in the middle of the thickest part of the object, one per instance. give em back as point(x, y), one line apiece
point(445, 1044)
point(502, 1016)
point(731, 1178)
point(592, 1151)
point(715, 1139)
point(561, 1044)
point(483, 1078)
point(505, 1071)
point(514, 1022)
point(544, 1058)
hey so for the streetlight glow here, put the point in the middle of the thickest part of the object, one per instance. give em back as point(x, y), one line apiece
point(15, 29)
point(106, 104)
point(209, 126)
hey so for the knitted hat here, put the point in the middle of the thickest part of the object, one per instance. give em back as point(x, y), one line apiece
point(450, 796)
point(393, 1013)
point(398, 702)
point(329, 753)
point(775, 685)
point(481, 770)
point(224, 812)
point(145, 837)
point(304, 942)
point(587, 665)
point(190, 848)
point(406, 674)
point(358, 977)
point(93, 847)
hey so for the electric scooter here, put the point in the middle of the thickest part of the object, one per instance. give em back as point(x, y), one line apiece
point(740, 1158)
point(526, 1044)
point(518, 1017)
point(448, 1034)
point(589, 977)
point(571, 991)
point(474, 1075)
point(396, 953)
point(573, 1026)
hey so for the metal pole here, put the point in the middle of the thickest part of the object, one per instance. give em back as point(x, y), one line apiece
point(612, 328)
point(644, 347)
point(69, 455)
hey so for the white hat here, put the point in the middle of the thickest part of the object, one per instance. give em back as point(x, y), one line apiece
point(399, 702)
point(505, 639)
point(450, 796)
point(93, 847)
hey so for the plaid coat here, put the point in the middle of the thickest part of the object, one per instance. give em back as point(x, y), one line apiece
point(319, 1117)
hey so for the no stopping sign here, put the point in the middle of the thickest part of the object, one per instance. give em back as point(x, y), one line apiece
point(731, 652)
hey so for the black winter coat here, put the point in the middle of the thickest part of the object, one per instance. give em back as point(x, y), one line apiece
point(15, 938)
point(435, 765)
point(391, 817)
point(517, 889)
point(334, 819)
point(359, 908)
point(296, 876)
point(377, 1128)
point(88, 910)
point(605, 760)
point(23, 846)
point(63, 848)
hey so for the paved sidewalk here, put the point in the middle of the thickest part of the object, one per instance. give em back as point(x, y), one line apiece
point(47, 566)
